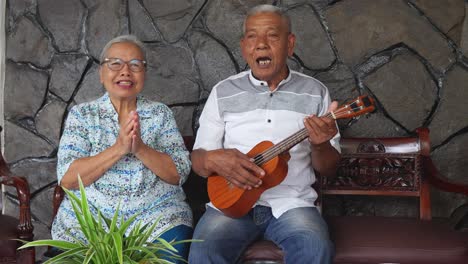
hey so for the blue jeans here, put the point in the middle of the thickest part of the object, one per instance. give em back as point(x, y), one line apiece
point(178, 233)
point(301, 233)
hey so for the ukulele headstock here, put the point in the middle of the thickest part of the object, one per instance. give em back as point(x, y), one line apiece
point(362, 105)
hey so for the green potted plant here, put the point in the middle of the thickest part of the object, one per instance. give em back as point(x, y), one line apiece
point(107, 242)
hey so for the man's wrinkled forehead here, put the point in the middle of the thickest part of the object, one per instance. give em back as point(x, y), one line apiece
point(284, 21)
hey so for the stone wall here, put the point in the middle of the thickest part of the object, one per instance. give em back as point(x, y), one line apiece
point(409, 55)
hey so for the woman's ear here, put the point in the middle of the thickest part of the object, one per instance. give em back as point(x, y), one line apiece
point(101, 78)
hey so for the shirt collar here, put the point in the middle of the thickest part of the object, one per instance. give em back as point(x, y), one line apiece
point(260, 83)
point(107, 108)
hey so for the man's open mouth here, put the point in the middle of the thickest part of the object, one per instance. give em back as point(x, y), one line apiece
point(263, 61)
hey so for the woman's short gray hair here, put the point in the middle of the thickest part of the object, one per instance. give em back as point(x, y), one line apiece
point(268, 9)
point(121, 39)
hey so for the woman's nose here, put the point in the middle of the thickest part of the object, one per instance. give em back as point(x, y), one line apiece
point(125, 71)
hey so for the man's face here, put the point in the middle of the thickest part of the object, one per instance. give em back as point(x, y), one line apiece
point(266, 45)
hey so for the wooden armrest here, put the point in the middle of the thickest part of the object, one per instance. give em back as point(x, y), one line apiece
point(58, 198)
point(438, 180)
point(25, 227)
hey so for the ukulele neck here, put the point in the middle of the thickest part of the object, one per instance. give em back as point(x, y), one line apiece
point(284, 145)
point(362, 105)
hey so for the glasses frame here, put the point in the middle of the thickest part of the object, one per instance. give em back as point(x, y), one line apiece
point(107, 60)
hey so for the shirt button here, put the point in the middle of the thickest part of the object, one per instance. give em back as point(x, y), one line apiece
point(269, 120)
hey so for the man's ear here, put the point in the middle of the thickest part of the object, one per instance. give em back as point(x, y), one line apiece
point(291, 44)
point(241, 42)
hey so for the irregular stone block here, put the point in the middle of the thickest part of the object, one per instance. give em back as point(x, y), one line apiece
point(173, 19)
point(91, 87)
point(141, 23)
point(171, 75)
point(90, 4)
point(218, 12)
point(23, 144)
point(464, 34)
point(103, 24)
point(320, 4)
point(67, 70)
point(18, 8)
point(340, 82)
point(25, 89)
point(451, 114)
point(405, 89)
point(312, 44)
point(171, 89)
point(27, 43)
point(184, 116)
point(450, 160)
point(295, 65)
point(11, 202)
point(362, 28)
point(42, 208)
point(49, 120)
point(371, 125)
point(64, 19)
point(41, 231)
point(447, 15)
point(212, 59)
point(38, 172)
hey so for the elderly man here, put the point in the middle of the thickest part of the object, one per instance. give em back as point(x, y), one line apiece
point(268, 102)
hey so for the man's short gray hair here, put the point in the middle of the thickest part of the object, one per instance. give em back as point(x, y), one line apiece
point(268, 9)
point(122, 39)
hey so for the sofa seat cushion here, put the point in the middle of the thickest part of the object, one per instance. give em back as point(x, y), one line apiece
point(372, 239)
point(8, 247)
point(8, 227)
point(264, 250)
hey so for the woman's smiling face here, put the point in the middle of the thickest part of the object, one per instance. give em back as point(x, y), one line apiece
point(123, 83)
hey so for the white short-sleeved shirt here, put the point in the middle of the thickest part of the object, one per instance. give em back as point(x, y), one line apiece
point(241, 112)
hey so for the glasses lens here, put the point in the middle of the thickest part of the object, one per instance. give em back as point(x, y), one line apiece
point(136, 65)
point(115, 64)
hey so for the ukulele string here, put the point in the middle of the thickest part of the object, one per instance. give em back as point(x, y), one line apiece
point(285, 144)
point(297, 137)
point(282, 146)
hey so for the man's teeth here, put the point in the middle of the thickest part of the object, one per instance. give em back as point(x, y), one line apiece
point(125, 83)
point(264, 62)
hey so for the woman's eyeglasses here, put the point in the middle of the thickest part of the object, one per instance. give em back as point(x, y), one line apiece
point(116, 64)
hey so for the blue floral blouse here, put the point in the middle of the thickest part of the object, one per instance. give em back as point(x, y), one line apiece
point(93, 127)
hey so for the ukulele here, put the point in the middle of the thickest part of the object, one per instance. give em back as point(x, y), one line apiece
point(236, 202)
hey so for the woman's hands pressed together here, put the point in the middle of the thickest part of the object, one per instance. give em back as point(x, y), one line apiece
point(129, 139)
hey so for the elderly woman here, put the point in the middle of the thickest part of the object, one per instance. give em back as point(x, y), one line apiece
point(126, 149)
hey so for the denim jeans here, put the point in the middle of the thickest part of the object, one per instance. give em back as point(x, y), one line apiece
point(178, 233)
point(301, 233)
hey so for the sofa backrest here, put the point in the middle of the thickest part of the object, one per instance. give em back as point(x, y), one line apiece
point(383, 167)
